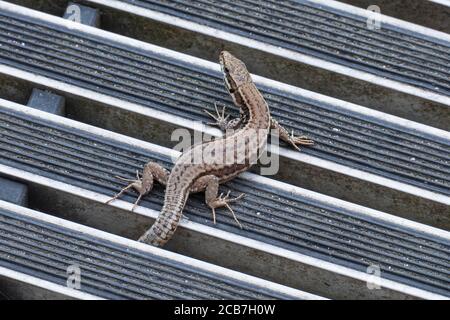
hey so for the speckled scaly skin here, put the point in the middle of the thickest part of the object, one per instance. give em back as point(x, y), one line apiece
point(187, 177)
point(241, 149)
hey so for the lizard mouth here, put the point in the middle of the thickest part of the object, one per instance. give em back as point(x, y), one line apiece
point(225, 70)
point(228, 84)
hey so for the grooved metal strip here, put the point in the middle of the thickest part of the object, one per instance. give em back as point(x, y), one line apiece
point(322, 32)
point(111, 270)
point(180, 88)
point(429, 13)
point(274, 216)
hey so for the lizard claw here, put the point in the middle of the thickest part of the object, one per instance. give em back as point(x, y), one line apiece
point(133, 184)
point(137, 202)
point(223, 201)
point(221, 120)
point(299, 140)
point(129, 186)
point(228, 199)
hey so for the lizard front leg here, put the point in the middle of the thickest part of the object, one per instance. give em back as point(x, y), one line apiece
point(284, 135)
point(210, 184)
point(143, 185)
point(224, 124)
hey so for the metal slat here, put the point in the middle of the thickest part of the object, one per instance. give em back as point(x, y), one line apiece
point(313, 43)
point(271, 215)
point(295, 26)
point(407, 163)
point(111, 270)
point(430, 13)
point(149, 80)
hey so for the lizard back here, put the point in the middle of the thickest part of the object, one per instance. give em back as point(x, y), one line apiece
point(224, 158)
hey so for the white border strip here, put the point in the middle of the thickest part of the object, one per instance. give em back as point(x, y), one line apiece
point(292, 55)
point(163, 116)
point(348, 106)
point(268, 285)
point(44, 284)
point(366, 176)
point(334, 202)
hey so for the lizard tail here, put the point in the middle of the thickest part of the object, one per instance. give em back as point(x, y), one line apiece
point(166, 223)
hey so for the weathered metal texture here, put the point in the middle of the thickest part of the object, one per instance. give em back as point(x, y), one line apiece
point(324, 47)
point(428, 13)
point(272, 215)
point(108, 269)
point(318, 67)
point(181, 86)
point(181, 89)
point(306, 27)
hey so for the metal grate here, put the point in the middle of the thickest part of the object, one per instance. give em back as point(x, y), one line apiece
point(323, 32)
point(269, 214)
point(108, 269)
point(179, 88)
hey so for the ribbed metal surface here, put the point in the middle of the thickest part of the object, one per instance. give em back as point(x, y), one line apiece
point(322, 32)
point(110, 270)
point(270, 215)
point(178, 88)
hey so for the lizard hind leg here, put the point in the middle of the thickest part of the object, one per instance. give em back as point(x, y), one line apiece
point(213, 200)
point(144, 184)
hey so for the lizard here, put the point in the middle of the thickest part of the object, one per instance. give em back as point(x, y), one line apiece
point(247, 140)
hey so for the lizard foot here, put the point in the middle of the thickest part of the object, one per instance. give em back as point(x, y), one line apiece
point(221, 119)
point(294, 141)
point(144, 184)
point(223, 201)
point(135, 184)
point(291, 139)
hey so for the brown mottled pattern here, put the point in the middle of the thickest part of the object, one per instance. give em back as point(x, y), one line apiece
point(246, 143)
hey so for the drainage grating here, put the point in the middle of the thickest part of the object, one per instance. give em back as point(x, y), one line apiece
point(113, 270)
point(179, 88)
point(431, 14)
point(270, 213)
point(319, 30)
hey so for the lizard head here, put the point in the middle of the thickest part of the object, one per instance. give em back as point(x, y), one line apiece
point(234, 70)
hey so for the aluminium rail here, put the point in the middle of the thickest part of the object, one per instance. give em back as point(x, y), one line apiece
point(361, 155)
point(38, 247)
point(295, 237)
point(16, 285)
point(324, 46)
point(342, 71)
point(429, 13)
